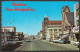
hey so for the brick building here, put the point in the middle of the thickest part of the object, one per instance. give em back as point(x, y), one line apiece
point(67, 21)
point(47, 24)
point(44, 24)
point(8, 34)
point(19, 36)
point(53, 30)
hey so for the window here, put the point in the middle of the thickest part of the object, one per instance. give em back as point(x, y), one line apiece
point(51, 34)
point(46, 19)
point(55, 23)
point(66, 27)
point(2, 30)
point(59, 23)
point(51, 23)
point(69, 26)
point(51, 29)
point(55, 29)
point(59, 29)
point(77, 22)
point(77, 12)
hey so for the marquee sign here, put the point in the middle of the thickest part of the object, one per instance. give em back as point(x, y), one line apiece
point(76, 29)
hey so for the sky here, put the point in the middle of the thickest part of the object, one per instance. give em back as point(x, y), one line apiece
point(30, 22)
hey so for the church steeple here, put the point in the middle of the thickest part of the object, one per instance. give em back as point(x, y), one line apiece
point(45, 16)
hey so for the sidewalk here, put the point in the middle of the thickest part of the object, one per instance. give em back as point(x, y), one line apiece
point(13, 47)
point(71, 46)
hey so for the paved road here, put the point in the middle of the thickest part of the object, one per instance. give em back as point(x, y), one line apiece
point(38, 45)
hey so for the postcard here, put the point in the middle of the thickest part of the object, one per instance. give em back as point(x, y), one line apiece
point(39, 26)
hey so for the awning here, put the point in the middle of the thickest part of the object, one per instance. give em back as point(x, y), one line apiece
point(76, 33)
point(65, 36)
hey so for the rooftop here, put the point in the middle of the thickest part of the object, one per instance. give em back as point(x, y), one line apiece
point(70, 16)
point(64, 8)
point(54, 22)
point(8, 27)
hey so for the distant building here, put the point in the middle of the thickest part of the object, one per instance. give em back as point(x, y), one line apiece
point(26, 35)
point(19, 36)
point(32, 37)
point(53, 30)
point(40, 34)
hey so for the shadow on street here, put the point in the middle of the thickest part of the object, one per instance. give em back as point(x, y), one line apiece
point(11, 47)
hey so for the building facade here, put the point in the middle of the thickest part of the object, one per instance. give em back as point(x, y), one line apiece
point(53, 30)
point(67, 21)
point(19, 36)
point(76, 21)
point(8, 34)
point(40, 34)
point(44, 24)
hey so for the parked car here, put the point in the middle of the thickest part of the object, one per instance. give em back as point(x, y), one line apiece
point(61, 41)
point(28, 40)
point(64, 41)
point(78, 46)
point(76, 43)
point(11, 42)
point(56, 41)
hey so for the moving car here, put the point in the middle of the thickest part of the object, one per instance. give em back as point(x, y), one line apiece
point(28, 40)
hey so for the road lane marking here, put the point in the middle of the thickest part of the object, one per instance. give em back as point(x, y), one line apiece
point(31, 46)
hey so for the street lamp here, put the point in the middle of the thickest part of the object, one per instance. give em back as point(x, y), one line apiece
point(7, 22)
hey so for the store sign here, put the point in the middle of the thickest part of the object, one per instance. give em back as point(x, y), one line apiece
point(76, 29)
point(10, 29)
point(66, 32)
point(60, 32)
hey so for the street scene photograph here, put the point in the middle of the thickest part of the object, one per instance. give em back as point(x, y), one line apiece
point(40, 26)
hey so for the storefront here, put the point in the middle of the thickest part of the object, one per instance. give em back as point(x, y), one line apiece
point(76, 32)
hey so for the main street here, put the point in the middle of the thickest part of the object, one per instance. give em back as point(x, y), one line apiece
point(38, 45)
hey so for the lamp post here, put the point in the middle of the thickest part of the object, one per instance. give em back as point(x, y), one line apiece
point(5, 31)
point(7, 22)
